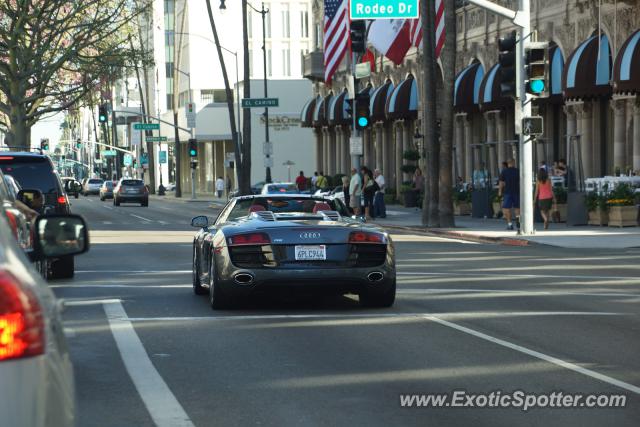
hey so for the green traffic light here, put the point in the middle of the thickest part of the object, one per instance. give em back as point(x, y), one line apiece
point(363, 122)
point(193, 153)
point(536, 86)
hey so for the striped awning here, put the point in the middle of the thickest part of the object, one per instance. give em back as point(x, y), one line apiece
point(320, 112)
point(466, 95)
point(306, 115)
point(378, 101)
point(490, 96)
point(556, 69)
point(403, 102)
point(337, 109)
point(588, 70)
point(626, 70)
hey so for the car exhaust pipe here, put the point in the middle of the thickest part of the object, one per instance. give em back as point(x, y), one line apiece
point(243, 279)
point(375, 276)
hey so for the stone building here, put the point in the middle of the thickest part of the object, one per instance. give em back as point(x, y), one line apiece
point(592, 117)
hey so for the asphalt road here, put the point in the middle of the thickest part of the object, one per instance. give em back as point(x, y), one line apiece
point(473, 317)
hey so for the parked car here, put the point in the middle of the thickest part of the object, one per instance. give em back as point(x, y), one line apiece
point(12, 186)
point(42, 191)
point(280, 188)
point(71, 186)
point(92, 186)
point(337, 192)
point(18, 221)
point(106, 191)
point(131, 191)
point(255, 189)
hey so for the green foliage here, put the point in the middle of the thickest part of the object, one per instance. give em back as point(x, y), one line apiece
point(622, 195)
point(405, 187)
point(561, 194)
point(410, 169)
point(595, 201)
point(461, 196)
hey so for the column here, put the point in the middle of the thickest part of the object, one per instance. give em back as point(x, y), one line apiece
point(366, 149)
point(468, 151)
point(391, 154)
point(583, 111)
point(325, 150)
point(491, 119)
point(332, 152)
point(339, 142)
point(619, 110)
point(501, 136)
point(386, 158)
point(459, 144)
point(398, 157)
point(379, 147)
point(636, 136)
point(572, 127)
point(318, 135)
point(346, 147)
point(407, 143)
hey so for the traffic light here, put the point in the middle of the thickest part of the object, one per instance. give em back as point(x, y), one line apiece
point(44, 144)
point(358, 33)
point(362, 110)
point(507, 61)
point(536, 62)
point(193, 147)
point(78, 143)
point(102, 113)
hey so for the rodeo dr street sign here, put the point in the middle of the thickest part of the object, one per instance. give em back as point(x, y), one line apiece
point(384, 9)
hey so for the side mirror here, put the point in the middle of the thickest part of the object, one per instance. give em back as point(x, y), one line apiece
point(200, 221)
point(32, 198)
point(60, 235)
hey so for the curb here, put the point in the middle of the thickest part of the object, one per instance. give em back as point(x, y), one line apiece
point(507, 241)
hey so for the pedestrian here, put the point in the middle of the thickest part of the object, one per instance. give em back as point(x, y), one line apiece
point(418, 186)
point(543, 165)
point(369, 188)
point(544, 195)
point(219, 186)
point(379, 208)
point(509, 188)
point(322, 183)
point(355, 191)
point(314, 181)
point(301, 182)
point(345, 191)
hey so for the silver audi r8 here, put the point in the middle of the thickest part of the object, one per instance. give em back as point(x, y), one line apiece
point(291, 242)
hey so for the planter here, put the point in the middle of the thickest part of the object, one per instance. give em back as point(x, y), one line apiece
point(623, 216)
point(561, 216)
point(598, 217)
point(410, 199)
point(497, 209)
point(461, 208)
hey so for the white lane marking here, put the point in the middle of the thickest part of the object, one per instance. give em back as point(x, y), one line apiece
point(162, 405)
point(506, 291)
point(140, 217)
point(559, 362)
point(368, 316)
point(136, 271)
point(164, 208)
point(526, 276)
point(119, 286)
point(163, 222)
point(82, 302)
point(107, 207)
point(107, 222)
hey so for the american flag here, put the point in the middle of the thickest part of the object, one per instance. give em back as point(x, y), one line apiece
point(416, 29)
point(336, 35)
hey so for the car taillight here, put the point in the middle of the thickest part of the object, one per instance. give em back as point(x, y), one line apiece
point(21, 322)
point(249, 239)
point(13, 223)
point(62, 200)
point(366, 237)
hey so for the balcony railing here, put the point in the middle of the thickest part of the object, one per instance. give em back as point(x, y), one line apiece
point(313, 66)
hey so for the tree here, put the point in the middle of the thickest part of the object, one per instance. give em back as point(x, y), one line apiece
point(445, 206)
point(54, 52)
point(430, 216)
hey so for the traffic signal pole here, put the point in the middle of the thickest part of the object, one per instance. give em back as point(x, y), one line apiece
point(522, 19)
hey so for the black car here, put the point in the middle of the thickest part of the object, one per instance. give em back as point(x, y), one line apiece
point(131, 191)
point(35, 171)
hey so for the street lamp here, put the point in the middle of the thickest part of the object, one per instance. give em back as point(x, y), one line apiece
point(263, 12)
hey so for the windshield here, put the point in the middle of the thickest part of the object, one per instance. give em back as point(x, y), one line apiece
point(95, 181)
point(282, 188)
point(288, 205)
point(133, 182)
point(31, 173)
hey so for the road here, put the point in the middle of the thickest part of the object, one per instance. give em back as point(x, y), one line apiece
point(474, 317)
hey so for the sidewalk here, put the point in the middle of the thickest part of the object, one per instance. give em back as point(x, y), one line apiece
point(491, 230)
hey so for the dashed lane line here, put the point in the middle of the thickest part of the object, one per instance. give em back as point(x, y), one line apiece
point(140, 217)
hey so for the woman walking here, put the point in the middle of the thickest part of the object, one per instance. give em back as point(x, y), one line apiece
point(544, 195)
point(369, 188)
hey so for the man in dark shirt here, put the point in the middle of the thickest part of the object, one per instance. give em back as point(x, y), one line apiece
point(510, 190)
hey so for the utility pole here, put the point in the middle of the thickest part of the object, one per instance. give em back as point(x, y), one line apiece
point(522, 19)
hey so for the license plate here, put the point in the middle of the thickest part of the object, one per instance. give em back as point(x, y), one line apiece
point(311, 253)
point(131, 190)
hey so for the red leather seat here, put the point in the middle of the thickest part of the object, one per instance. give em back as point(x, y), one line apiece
point(321, 207)
point(256, 208)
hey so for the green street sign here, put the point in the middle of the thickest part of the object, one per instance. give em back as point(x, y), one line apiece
point(108, 153)
point(162, 156)
point(259, 102)
point(146, 126)
point(384, 9)
point(156, 139)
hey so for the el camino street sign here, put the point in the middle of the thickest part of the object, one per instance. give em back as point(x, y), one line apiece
point(384, 9)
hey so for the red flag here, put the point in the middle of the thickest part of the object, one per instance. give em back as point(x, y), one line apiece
point(370, 57)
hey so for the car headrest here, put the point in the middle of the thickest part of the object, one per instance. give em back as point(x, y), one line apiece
point(321, 207)
point(256, 208)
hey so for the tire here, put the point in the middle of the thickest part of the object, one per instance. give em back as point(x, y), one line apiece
point(62, 268)
point(218, 300)
point(379, 300)
point(195, 275)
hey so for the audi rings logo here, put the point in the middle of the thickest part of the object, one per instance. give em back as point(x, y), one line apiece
point(309, 235)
